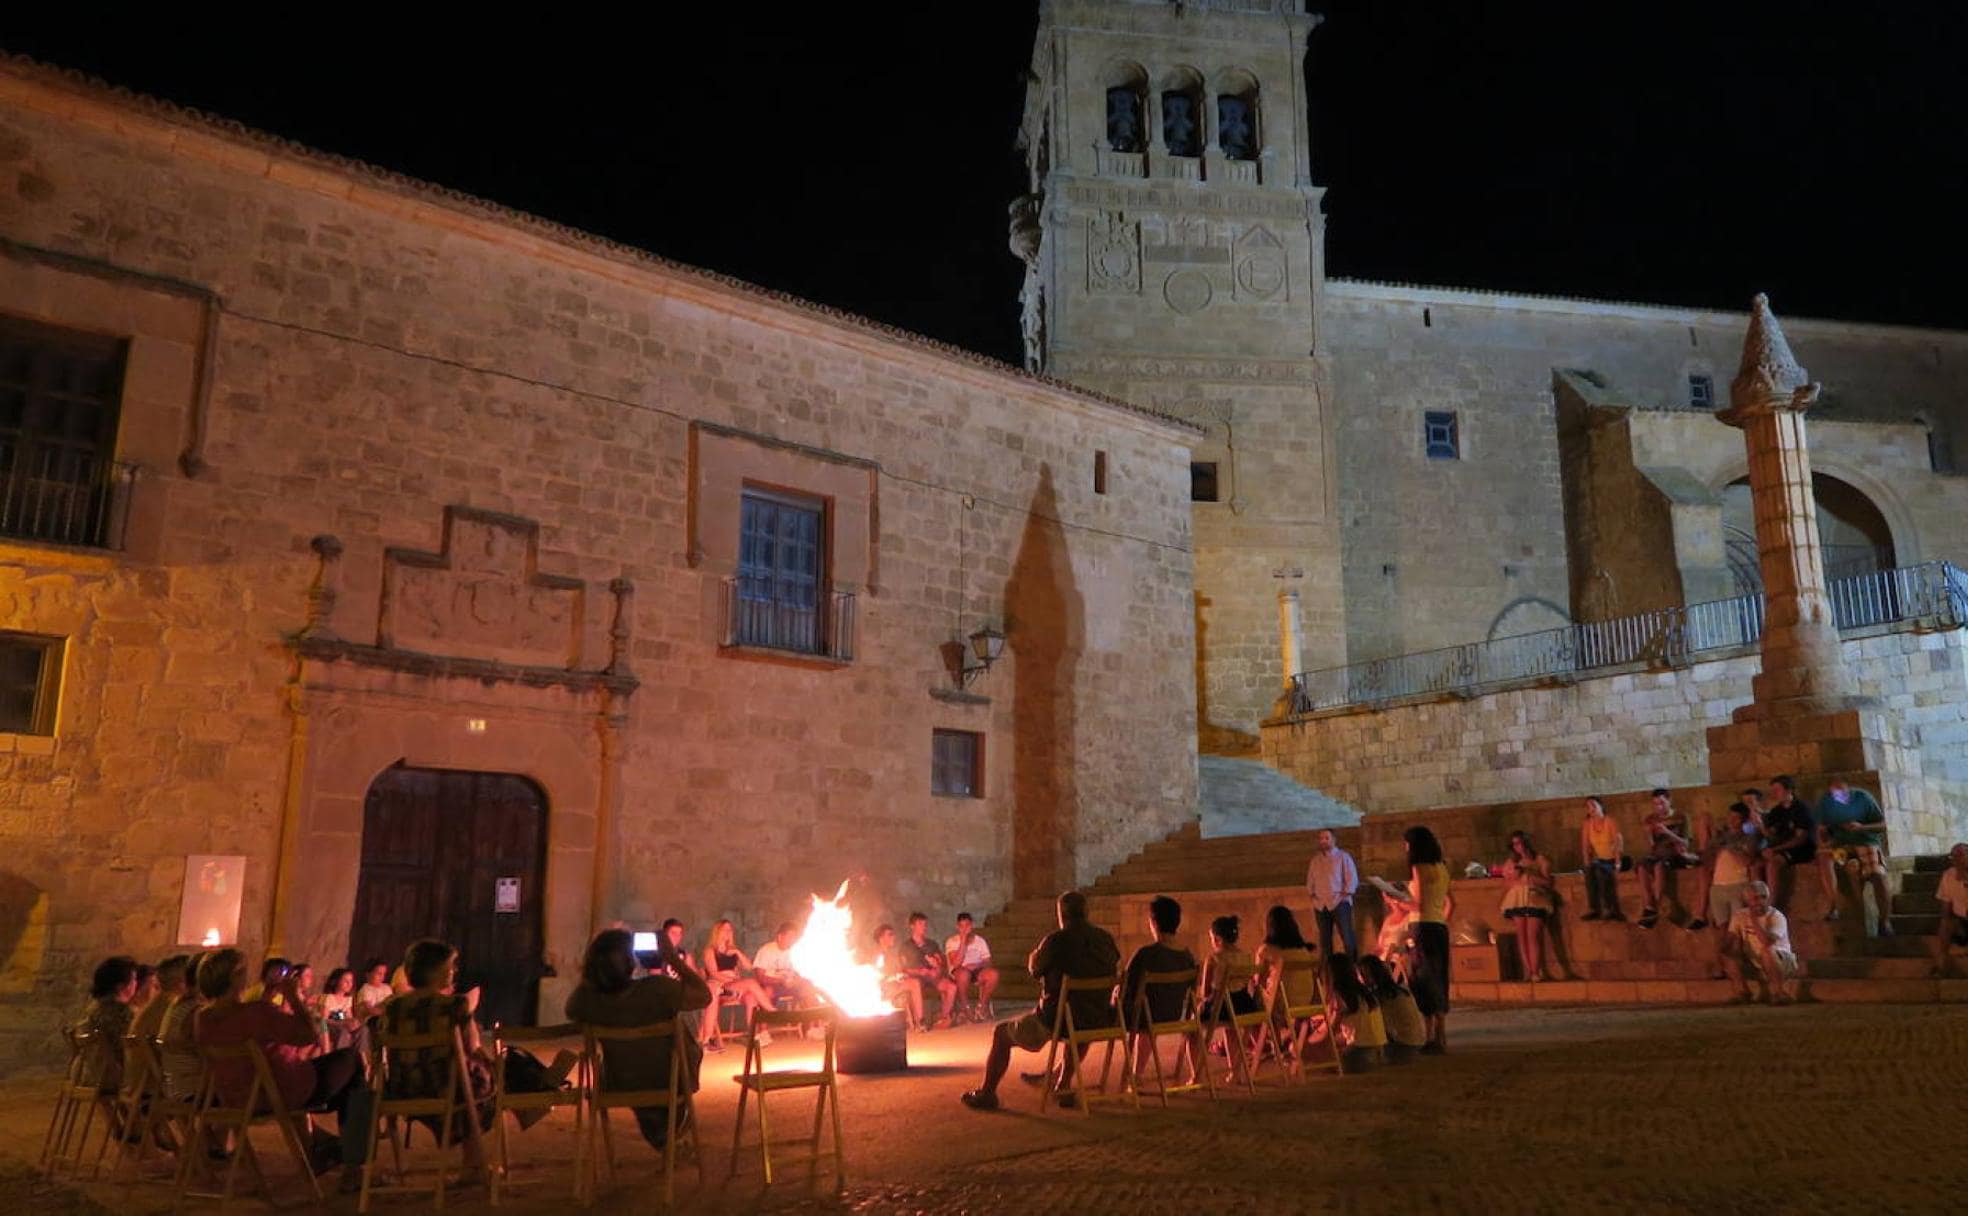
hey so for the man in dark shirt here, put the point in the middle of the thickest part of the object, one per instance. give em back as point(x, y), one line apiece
point(1165, 1001)
point(1078, 949)
point(922, 965)
point(1790, 836)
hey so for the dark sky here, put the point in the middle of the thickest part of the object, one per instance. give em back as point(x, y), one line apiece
point(861, 154)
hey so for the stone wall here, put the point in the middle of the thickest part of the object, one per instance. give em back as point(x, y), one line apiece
point(387, 354)
point(1440, 553)
point(1631, 730)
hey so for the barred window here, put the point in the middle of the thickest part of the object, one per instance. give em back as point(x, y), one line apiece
point(780, 563)
point(30, 675)
point(1701, 392)
point(1439, 434)
point(60, 392)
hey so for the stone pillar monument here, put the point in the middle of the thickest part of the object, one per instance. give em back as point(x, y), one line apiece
point(1806, 718)
point(1803, 666)
point(1291, 649)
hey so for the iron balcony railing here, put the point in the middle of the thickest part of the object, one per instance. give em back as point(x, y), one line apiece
point(1933, 594)
point(64, 497)
point(823, 626)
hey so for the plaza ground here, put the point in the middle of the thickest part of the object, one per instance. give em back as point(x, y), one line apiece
point(1799, 1109)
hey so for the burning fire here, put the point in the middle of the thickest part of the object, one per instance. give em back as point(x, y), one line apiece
point(825, 956)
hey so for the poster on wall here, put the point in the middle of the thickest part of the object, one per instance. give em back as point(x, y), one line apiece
point(208, 914)
point(505, 896)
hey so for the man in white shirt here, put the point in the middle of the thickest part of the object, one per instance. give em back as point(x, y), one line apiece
point(772, 966)
point(1953, 894)
point(968, 956)
point(1332, 880)
point(1758, 943)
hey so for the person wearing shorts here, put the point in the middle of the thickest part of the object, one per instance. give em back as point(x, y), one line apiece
point(1852, 830)
point(969, 958)
point(1735, 855)
point(1078, 949)
point(1667, 849)
point(1790, 836)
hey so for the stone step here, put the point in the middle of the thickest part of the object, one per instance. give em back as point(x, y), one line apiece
point(1867, 968)
point(1887, 990)
point(1240, 797)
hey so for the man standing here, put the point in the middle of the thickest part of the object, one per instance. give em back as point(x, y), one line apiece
point(1758, 943)
point(968, 956)
point(923, 965)
point(1790, 837)
point(1600, 847)
point(1331, 880)
point(1852, 833)
point(1078, 949)
point(1953, 894)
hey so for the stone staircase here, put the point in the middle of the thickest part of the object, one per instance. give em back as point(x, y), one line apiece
point(1600, 961)
point(1239, 797)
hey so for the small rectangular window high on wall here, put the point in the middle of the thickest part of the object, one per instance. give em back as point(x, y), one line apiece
point(956, 764)
point(1701, 392)
point(30, 683)
point(1202, 481)
point(1100, 472)
point(1439, 433)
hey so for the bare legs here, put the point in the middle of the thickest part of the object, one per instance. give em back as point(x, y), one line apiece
point(1530, 947)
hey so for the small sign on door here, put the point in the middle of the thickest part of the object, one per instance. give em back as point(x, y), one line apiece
point(505, 895)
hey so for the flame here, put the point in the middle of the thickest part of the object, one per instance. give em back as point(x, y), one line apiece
point(824, 956)
point(211, 937)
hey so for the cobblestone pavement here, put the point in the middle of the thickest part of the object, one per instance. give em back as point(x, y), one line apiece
point(1818, 1109)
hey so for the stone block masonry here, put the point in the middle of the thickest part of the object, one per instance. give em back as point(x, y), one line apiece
point(531, 448)
point(1628, 730)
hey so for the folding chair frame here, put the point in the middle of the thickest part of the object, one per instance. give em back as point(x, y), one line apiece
point(1222, 1016)
point(754, 1080)
point(1195, 1040)
point(393, 1111)
point(502, 1037)
point(1298, 1018)
point(263, 1105)
point(1077, 1040)
point(597, 1152)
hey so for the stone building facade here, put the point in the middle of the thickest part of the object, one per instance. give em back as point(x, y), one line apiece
point(449, 566)
point(1407, 459)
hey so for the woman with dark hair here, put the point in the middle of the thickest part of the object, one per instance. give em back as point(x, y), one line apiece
point(1362, 1032)
point(1225, 959)
point(1407, 1032)
point(107, 1017)
point(1283, 940)
point(1529, 902)
point(1428, 888)
point(433, 1003)
point(610, 995)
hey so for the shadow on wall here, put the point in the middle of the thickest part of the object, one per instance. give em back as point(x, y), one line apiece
point(23, 933)
point(1046, 631)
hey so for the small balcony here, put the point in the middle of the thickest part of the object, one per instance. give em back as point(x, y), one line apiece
point(821, 629)
point(1122, 164)
point(60, 496)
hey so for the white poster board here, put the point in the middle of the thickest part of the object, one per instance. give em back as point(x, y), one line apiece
point(208, 912)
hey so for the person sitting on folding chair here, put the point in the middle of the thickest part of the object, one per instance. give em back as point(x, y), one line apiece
point(433, 1002)
point(1161, 955)
point(108, 1016)
point(1079, 949)
point(286, 1032)
point(610, 995)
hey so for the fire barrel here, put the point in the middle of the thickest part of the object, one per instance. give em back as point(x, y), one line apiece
point(876, 1044)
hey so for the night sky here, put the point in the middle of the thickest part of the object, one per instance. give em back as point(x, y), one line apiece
point(861, 154)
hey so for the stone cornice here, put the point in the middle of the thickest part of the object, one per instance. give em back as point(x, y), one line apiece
point(486, 671)
point(1286, 371)
point(1269, 202)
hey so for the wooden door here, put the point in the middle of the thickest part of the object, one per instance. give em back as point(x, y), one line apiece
point(457, 856)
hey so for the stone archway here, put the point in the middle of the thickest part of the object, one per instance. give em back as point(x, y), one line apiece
point(1856, 536)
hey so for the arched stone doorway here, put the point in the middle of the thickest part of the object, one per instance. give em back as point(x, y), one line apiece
point(457, 855)
point(1854, 533)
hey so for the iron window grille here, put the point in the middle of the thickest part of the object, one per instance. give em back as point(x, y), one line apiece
point(60, 397)
point(779, 600)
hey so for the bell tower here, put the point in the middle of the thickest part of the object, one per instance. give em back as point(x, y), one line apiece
point(1173, 245)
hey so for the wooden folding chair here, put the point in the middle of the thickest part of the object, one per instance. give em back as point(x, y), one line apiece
point(597, 1147)
point(501, 1038)
point(1078, 1039)
point(138, 1107)
point(215, 1119)
point(1195, 1042)
point(392, 1113)
point(1297, 1017)
point(755, 1080)
point(1235, 1026)
point(80, 1095)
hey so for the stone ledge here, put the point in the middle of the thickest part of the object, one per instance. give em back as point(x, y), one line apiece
point(489, 671)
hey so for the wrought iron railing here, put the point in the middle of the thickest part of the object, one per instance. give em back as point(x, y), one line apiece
point(1933, 594)
point(65, 497)
point(823, 626)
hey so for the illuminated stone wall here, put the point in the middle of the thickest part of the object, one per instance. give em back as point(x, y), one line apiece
point(385, 352)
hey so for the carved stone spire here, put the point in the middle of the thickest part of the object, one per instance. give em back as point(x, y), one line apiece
point(1770, 375)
